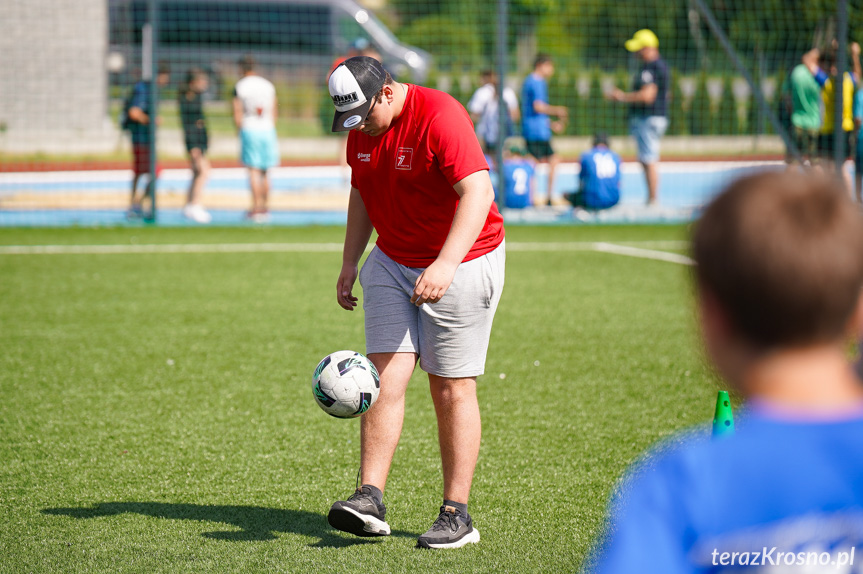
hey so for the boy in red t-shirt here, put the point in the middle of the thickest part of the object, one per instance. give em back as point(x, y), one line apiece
point(431, 285)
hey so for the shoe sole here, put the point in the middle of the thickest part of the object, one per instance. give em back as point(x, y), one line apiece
point(471, 537)
point(349, 520)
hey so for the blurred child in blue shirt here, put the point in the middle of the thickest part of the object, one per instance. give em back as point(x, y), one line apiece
point(858, 155)
point(599, 181)
point(778, 275)
point(518, 173)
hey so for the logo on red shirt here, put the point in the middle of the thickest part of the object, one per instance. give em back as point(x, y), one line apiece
point(404, 157)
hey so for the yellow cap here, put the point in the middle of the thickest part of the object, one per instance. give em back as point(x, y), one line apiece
point(642, 39)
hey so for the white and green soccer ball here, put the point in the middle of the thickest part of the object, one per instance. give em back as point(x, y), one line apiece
point(345, 384)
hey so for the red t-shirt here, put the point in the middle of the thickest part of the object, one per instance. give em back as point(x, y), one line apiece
point(406, 178)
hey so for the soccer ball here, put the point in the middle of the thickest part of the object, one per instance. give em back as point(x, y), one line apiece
point(345, 384)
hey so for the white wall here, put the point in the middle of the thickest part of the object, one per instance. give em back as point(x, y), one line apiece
point(53, 80)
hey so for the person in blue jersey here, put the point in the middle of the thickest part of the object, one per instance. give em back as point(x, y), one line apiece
point(858, 145)
point(138, 123)
point(518, 173)
point(778, 273)
point(599, 179)
point(536, 123)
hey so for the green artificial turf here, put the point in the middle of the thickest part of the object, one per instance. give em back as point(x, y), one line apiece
point(156, 412)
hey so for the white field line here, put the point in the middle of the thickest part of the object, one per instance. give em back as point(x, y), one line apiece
point(169, 248)
point(590, 245)
point(335, 171)
point(642, 251)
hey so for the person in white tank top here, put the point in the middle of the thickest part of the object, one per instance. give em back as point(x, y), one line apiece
point(255, 113)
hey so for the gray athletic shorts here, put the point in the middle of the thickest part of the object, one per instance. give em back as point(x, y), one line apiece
point(450, 336)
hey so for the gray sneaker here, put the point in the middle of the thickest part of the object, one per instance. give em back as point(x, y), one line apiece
point(450, 530)
point(360, 515)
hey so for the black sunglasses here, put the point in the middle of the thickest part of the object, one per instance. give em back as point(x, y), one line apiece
point(374, 103)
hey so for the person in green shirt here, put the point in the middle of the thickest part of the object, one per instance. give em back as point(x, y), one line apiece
point(804, 87)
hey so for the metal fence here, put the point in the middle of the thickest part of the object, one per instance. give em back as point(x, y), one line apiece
point(728, 99)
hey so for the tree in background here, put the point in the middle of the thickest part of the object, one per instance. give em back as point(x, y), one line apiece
point(587, 33)
point(727, 118)
point(699, 108)
point(677, 120)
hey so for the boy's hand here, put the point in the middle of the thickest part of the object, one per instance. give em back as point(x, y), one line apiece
point(344, 287)
point(433, 283)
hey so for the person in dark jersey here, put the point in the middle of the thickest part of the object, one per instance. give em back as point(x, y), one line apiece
point(138, 123)
point(648, 106)
point(190, 101)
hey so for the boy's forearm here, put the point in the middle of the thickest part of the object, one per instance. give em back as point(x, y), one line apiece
point(358, 231)
point(476, 196)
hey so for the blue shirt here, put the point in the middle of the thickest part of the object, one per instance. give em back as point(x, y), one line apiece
point(600, 178)
point(518, 175)
point(534, 126)
point(140, 99)
point(777, 486)
point(858, 112)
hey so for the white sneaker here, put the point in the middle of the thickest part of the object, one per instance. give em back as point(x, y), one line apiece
point(197, 214)
point(260, 217)
point(581, 214)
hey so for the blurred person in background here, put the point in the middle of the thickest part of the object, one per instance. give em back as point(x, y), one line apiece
point(138, 123)
point(536, 125)
point(255, 113)
point(355, 49)
point(826, 138)
point(599, 178)
point(858, 145)
point(778, 276)
point(519, 178)
point(483, 111)
point(191, 105)
point(648, 106)
point(803, 92)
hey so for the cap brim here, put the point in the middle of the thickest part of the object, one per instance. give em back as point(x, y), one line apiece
point(633, 45)
point(348, 120)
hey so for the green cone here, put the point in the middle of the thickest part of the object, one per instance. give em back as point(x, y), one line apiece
point(723, 419)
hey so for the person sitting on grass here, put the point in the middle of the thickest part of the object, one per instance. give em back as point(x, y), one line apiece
point(519, 180)
point(778, 274)
point(599, 180)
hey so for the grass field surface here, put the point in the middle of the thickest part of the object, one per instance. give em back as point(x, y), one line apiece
point(156, 412)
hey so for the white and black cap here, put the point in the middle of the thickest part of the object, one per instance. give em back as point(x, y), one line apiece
point(353, 86)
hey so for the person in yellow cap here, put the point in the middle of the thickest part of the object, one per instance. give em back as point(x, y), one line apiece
point(648, 105)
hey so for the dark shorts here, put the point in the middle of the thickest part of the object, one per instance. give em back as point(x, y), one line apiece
point(806, 142)
point(576, 198)
point(197, 138)
point(539, 149)
point(827, 145)
point(858, 156)
point(141, 159)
